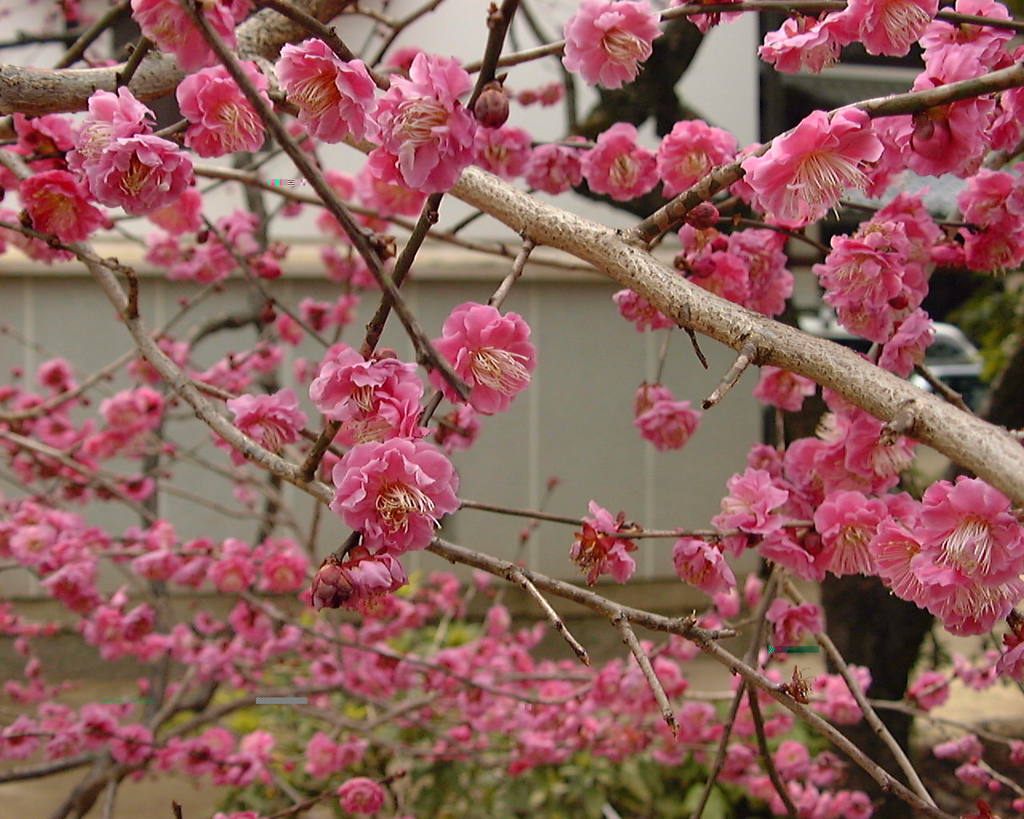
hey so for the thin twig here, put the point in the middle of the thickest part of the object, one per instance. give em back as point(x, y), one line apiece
point(89, 36)
point(556, 621)
point(141, 49)
point(518, 265)
point(870, 716)
point(766, 757)
point(176, 809)
point(697, 351)
point(748, 353)
point(630, 639)
point(941, 388)
point(757, 638)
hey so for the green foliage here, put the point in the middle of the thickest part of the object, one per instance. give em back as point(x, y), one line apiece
point(991, 316)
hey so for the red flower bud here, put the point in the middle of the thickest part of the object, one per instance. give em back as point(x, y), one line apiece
point(491, 107)
point(331, 588)
point(702, 217)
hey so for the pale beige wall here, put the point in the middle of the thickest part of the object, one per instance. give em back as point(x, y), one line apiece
point(573, 422)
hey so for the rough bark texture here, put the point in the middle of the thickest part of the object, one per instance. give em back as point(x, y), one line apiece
point(35, 91)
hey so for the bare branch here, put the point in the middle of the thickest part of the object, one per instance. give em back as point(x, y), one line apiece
point(556, 621)
point(870, 716)
point(747, 356)
point(630, 639)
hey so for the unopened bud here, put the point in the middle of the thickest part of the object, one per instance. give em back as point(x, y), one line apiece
point(331, 588)
point(491, 107)
point(702, 217)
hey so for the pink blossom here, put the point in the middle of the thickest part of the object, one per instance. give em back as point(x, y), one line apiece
point(425, 127)
point(966, 607)
point(184, 215)
point(889, 27)
point(893, 548)
point(597, 550)
point(322, 758)
point(906, 348)
point(168, 25)
point(111, 116)
point(966, 747)
point(769, 283)
point(380, 187)
point(503, 151)
point(57, 203)
point(222, 121)
point(869, 276)
point(132, 744)
point(458, 430)
point(619, 166)
point(665, 422)
point(792, 759)
point(284, 570)
point(605, 41)
point(336, 99)
point(394, 492)
point(634, 307)
point(139, 173)
point(783, 389)
point(792, 622)
point(847, 521)
point(361, 582)
point(374, 400)
point(1011, 663)
point(929, 690)
point(837, 703)
point(690, 152)
point(554, 168)
point(702, 565)
point(952, 138)
point(751, 503)
point(968, 529)
point(270, 420)
point(804, 44)
point(983, 43)
point(805, 171)
point(361, 795)
point(490, 352)
point(781, 547)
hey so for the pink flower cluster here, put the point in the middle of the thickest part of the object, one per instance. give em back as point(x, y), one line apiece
point(168, 25)
point(619, 166)
point(373, 400)
point(606, 41)
point(597, 550)
point(665, 422)
point(423, 125)
point(221, 119)
point(122, 162)
point(492, 353)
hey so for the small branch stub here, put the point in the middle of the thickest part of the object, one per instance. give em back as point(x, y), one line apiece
point(747, 356)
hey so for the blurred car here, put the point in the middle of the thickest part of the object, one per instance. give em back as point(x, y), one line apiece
point(951, 358)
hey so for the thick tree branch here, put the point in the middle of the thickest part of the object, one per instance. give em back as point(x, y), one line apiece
point(990, 452)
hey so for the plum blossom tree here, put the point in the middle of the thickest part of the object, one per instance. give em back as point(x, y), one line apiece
point(401, 697)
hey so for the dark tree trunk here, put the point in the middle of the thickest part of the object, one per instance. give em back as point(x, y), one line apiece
point(872, 627)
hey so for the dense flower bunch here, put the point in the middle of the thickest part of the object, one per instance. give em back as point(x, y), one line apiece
point(832, 502)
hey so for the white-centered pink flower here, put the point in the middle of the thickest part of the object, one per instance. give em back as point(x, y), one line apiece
point(221, 119)
point(373, 400)
point(422, 123)
point(139, 173)
point(57, 203)
point(805, 172)
point(336, 99)
point(606, 41)
point(492, 353)
point(619, 166)
point(394, 492)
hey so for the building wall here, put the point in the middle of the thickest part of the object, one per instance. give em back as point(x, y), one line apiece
point(573, 423)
